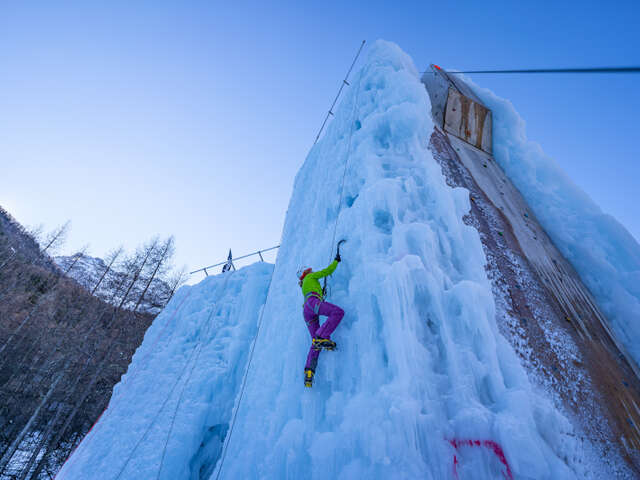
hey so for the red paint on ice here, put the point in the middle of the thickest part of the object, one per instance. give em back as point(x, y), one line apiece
point(490, 444)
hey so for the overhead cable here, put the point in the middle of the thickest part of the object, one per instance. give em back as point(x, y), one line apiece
point(555, 70)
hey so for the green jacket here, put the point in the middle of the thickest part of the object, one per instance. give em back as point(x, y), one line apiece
point(310, 282)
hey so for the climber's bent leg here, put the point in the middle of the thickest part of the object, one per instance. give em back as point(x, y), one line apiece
point(313, 323)
point(334, 314)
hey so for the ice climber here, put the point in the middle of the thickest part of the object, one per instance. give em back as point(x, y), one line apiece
point(314, 306)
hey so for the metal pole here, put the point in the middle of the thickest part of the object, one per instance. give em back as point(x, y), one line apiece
point(237, 258)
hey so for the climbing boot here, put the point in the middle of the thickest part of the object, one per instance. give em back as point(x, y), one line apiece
point(325, 343)
point(308, 377)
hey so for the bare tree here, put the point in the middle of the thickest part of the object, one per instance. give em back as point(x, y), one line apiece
point(39, 303)
point(52, 441)
point(11, 252)
point(47, 436)
point(54, 240)
point(136, 266)
point(159, 262)
point(56, 237)
point(175, 281)
point(16, 442)
point(71, 390)
point(36, 232)
point(111, 259)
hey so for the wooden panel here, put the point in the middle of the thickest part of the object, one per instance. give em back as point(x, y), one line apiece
point(556, 273)
point(544, 310)
point(438, 88)
point(468, 120)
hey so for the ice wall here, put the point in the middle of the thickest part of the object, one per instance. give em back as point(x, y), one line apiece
point(420, 363)
point(422, 380)
point(603, 252)
point(170, 412)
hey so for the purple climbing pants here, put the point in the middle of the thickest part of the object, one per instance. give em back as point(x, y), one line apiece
point(314, 307)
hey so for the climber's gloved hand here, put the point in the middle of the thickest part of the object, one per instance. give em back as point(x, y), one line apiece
point(338, 259)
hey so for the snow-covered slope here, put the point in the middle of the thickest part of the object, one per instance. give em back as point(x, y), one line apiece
point(423, 386)
point(85, 270)
point(603, 252)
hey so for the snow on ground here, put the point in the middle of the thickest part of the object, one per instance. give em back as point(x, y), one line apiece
point(421, 371)
point(176, 399)
point(603, 252)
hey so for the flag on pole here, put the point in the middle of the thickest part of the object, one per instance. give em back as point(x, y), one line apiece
point(229, 265)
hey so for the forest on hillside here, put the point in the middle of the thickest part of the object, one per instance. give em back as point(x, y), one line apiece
point(68, 330)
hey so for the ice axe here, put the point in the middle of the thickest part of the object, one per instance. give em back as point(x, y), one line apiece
point(324, 286)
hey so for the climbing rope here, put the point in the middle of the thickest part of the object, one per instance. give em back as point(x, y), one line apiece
point(355, 111)
point(225, 446)
point(251, 353)
point(143, 361)
point(342, 85)
point(184, 387)
point(157, 415)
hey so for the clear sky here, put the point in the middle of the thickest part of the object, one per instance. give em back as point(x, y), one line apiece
point(192, 118)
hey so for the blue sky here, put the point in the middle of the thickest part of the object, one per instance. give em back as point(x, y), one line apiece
point(192, 118)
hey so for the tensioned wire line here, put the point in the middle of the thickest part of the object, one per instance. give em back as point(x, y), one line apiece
point(200, 347)
point(553, 70)
point(157, 415)
point(342, 85)
point(225, 446)
point(354, 116)
point(87, 440)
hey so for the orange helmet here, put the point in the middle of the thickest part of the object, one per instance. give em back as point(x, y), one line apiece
point(303, 273)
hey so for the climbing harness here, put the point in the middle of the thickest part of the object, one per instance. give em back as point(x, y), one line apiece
point(316, 308)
